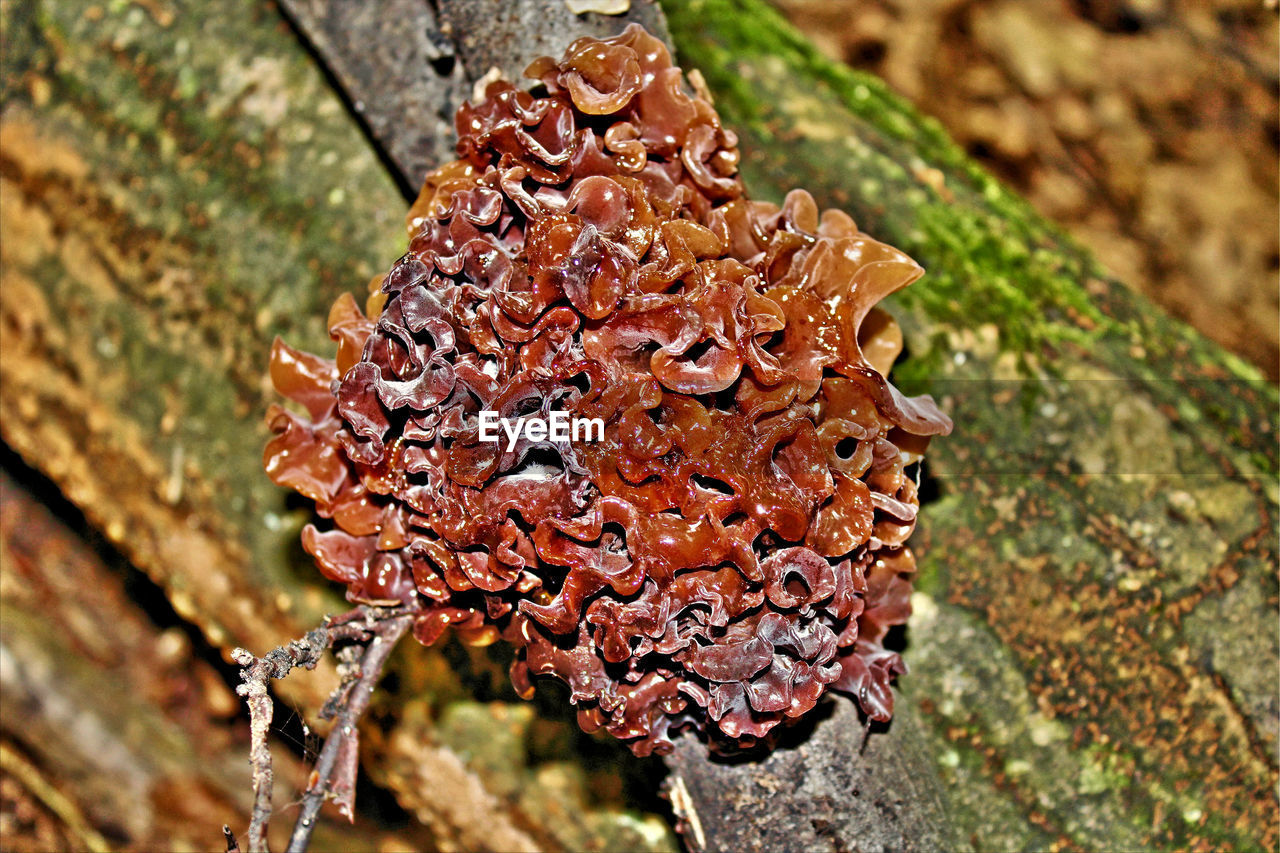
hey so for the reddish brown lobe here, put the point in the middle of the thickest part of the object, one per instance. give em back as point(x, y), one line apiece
point(733, 547)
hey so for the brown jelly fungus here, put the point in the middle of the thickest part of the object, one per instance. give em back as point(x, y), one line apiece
point(734, 547)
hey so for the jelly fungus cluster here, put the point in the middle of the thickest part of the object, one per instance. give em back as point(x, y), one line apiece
point(734, 547)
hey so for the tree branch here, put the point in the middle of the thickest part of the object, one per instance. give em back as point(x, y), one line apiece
point(255, 678)
point(337, 765)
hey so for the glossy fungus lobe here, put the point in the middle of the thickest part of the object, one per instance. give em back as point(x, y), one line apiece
point(734, 546)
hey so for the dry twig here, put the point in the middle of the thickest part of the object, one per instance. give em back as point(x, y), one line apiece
point(336, 768)
point(335, 772)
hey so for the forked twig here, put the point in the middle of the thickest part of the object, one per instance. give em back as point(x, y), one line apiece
point(336, 768)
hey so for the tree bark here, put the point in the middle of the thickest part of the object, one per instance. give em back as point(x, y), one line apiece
point(1093, 653)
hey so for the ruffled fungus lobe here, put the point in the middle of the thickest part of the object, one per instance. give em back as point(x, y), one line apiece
point(734, 547)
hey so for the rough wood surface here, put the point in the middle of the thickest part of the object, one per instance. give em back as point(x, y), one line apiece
point(830, 786)
point(1093, 652)
point(508, 35)
point(394, 48)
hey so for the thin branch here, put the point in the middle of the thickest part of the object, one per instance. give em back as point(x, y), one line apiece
point(335, 771)
point(255, 677)
point(381, 629)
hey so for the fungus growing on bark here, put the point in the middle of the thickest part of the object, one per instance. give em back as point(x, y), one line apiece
point(735, 545)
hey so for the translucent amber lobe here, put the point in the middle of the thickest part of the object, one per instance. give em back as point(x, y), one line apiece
point(734, 547)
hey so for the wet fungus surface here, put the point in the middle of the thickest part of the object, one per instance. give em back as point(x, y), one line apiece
point(734, 547)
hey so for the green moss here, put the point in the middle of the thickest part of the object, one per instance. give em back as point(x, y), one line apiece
point(806, 121)
point(980, 243)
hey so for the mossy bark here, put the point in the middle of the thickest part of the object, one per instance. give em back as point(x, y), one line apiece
point(1093, 651)
point(1094, 648)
